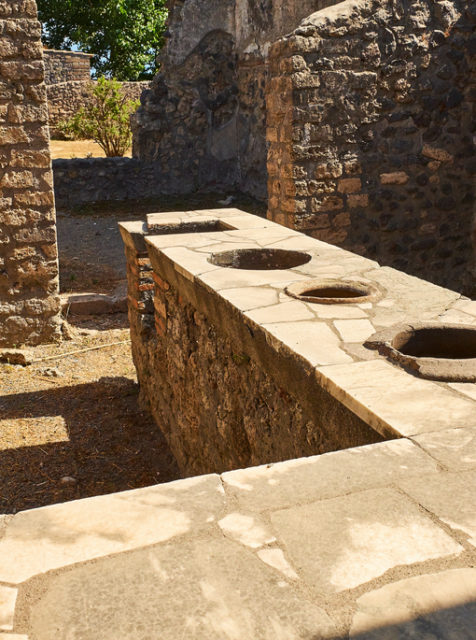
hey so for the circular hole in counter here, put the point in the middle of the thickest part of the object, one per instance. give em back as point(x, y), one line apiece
point(334, 291)
point(434, 351)
point(455, 343)
point(260, 259)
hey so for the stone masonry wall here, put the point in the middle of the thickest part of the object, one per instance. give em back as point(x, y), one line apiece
point(66, 66)
point(29, 303)
point(239, 413)
point(370, 128)
point(80, 181)
point(67, 98)
point(204, 118)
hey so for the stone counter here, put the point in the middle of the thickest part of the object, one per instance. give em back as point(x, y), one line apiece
point(237, 372)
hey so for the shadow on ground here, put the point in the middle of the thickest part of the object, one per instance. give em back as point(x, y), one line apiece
point(108, 444)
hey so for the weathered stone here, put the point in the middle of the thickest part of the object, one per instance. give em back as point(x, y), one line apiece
point(160, 514)
point(359, 537)
point(438, 605)
point(209, 588)
point(452, 499)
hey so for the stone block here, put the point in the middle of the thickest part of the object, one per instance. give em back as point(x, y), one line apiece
point(338, 545)
point(281, 485)
point(437, 605)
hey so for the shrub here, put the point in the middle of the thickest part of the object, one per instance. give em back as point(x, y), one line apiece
point(106, 119)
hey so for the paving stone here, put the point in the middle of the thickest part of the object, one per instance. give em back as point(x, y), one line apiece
point(466, 388)
point(354, 330)
point(247, 298)
point(338, 311)
point(226, 278)
point(44, 539)
point(430, 607)
point(8, 597)
point(339, 544)
point(292, 311)
point(208, 589)
point(450, 496)
point(385, 396)
point(246, 530)
point(275, 558)
point(455, 448)
point(468, 306)
point(281, 485)
point(313, 340)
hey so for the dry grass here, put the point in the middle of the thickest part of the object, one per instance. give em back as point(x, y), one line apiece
point(76, 149)
point(85, 425)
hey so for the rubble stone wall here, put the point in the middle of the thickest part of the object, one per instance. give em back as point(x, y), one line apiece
point(370, 110)
point(80, 181)
point(204, 118)
point(66, 66)
point(65, 99)
point(248, 404)
point(29, 303)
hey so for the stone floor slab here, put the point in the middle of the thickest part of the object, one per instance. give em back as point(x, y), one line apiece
point(337, 545)
point(209, 589)
point(281, 485)
point(450, 496)
point(455, 448)
point(435, 606)
point(8, 597)
point(52, 537)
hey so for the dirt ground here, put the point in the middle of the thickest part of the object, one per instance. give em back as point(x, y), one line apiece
point(71, 427)
point(76, 149)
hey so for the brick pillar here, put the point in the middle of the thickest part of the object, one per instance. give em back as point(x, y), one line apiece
point(29, 302)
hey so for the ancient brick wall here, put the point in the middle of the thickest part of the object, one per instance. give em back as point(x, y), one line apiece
point(369, 125)
point(66, 98)
point(66, 66)
point(205, 116)
point(29, 304)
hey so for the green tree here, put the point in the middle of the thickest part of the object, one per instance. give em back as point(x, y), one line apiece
point(124, 35)
point(105, 119)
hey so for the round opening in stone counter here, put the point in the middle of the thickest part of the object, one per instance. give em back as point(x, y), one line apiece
point(260, 259)
point(455, 343)
point(333, 291)
point(434, 351)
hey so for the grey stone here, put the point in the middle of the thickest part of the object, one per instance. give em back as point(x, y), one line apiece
point(206, 589)
point(435, 606)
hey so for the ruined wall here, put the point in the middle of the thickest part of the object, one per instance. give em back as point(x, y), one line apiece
point(29, 304)
point(66, 66)
point(204, 119)
point(66, 98)
point(369, 123)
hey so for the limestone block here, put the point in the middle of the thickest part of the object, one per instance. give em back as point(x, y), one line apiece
point(203, 588)
point(337, 545)
point(450, 496)
point(437, 605)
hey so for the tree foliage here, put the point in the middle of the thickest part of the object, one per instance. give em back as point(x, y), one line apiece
point(124, 35)
point(106, 118)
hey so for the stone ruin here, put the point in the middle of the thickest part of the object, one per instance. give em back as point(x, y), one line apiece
point(29, 301)
point(68, 86)
point(362, 116)
point(258, 345)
